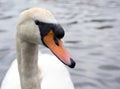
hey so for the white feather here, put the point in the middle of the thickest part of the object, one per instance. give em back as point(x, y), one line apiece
point(54, 74)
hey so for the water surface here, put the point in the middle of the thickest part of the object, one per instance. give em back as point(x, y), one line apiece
point(92, 37)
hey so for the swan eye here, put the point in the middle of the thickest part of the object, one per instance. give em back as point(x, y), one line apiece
point(37, 22)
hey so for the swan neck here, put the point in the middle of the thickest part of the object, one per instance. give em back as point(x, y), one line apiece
point(27, 56)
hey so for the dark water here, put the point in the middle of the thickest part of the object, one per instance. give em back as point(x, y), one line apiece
point(92, 37)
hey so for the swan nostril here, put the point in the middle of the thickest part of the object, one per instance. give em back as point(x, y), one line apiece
point(56, 41)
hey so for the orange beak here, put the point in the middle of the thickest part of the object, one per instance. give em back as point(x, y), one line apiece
point(56, 46)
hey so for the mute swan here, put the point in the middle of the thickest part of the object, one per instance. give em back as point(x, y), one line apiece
point(38, 26)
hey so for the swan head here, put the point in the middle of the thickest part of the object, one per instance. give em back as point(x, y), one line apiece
point(39, 26)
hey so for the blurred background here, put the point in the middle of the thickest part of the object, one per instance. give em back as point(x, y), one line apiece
point(92, 36)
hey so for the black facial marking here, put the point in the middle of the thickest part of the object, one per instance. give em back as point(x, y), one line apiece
point(46, 27)
point(58, 30)
point(37, 22)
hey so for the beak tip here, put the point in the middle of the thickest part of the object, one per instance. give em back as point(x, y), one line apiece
point(72, 63)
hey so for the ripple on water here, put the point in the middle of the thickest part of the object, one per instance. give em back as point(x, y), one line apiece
point(110, 67)
point(5, 17)
point(102, 20)
point(3, 52)
point(72, 41)
point(117, 79)
point(85, 84)
point(104, 27)
point(2, 30)
point(72, 22)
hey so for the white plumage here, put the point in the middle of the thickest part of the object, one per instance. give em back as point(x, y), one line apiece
point(54, 74)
